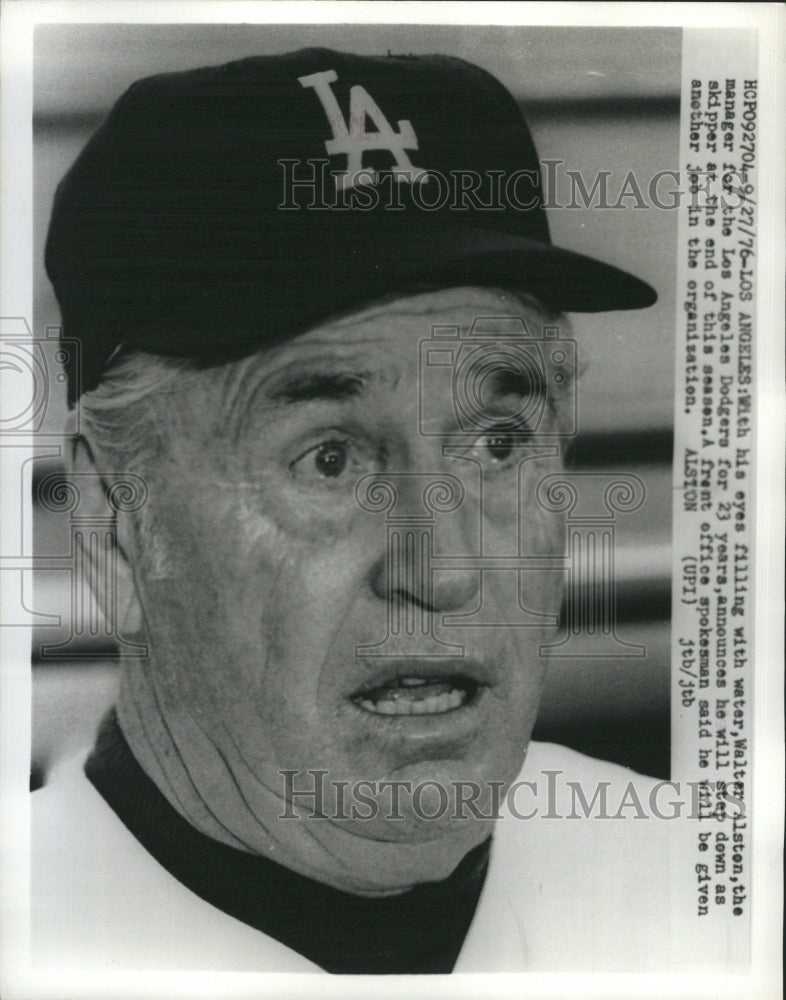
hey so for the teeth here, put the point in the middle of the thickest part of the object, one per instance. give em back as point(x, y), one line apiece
point(432, 705)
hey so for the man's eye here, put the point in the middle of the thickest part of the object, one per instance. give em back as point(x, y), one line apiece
point(329, 460)
point(497, 446)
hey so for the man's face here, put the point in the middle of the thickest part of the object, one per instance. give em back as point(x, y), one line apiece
point(265, 573)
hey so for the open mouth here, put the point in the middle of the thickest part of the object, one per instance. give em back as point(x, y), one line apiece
point(419, 695)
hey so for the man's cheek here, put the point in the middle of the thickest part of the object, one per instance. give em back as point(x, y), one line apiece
point(542, 529)
point(314, 613)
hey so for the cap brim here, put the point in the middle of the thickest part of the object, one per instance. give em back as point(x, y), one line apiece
point(562, 279)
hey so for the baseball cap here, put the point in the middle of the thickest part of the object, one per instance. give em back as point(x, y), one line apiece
point(229, 207)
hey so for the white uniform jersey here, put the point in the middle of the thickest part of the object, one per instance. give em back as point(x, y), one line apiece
point(564, 890)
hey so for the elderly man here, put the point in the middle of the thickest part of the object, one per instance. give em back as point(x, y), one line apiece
point(273, 268)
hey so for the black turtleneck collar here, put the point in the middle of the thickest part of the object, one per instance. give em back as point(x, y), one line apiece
point(419, 931)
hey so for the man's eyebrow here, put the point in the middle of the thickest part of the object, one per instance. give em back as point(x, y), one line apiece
point(307, 386)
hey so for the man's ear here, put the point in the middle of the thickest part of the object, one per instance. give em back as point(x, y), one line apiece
point(122, 607)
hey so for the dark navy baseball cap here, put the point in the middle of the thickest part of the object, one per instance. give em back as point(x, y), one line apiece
point(230, 207)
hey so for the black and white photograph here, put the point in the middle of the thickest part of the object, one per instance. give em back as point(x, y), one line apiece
point(391, 556)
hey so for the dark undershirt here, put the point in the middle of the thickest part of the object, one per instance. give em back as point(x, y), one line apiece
point(419, 931)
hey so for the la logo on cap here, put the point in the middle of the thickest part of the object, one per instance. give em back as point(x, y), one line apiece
point(353, 140)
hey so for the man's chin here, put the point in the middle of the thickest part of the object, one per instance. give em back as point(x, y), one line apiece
point(397, 855)
point(423, 801)
point(376, 836)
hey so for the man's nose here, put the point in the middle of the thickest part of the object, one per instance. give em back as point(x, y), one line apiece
point(403, 571)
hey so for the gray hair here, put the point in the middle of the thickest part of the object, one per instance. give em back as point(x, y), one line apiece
point(123, 420)
point(118, 416)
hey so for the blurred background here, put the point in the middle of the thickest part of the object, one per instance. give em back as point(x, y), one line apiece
point(596, 100)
